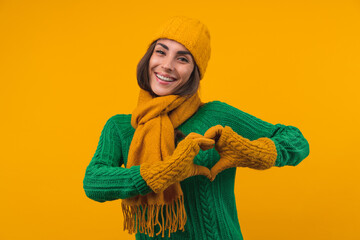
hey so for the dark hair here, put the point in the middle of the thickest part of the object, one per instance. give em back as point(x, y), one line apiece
point(178, 135)
point(189, 88)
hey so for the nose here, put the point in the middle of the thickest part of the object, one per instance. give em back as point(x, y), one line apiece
point(167, 64)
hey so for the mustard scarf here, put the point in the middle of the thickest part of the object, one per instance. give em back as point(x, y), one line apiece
point(155, 120)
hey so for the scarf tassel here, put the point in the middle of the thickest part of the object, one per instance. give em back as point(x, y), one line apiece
point(144, 218)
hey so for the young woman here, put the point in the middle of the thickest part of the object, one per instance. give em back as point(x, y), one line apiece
point(180, 155)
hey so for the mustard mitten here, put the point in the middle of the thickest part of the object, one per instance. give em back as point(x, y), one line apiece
point(179, 165)
point(237, 151)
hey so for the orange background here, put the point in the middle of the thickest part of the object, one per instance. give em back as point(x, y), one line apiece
point(68, 66)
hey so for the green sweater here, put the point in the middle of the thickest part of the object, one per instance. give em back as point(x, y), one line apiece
point(210, 206)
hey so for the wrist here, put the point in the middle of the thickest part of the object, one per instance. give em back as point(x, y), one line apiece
point(186, 147)
point(224, 139)
point(161, 174)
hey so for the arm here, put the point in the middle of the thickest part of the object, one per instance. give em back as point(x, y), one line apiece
point(291, 146)
point(104, 179)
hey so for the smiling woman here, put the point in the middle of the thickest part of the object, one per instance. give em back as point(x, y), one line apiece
point(169, 188)
point(160, 55)
point(170, 67)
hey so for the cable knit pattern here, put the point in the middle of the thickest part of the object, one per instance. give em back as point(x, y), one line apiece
point(206, 208)
point(104, 179)
point(175, 168)
point(241, 152)
point(210, 206)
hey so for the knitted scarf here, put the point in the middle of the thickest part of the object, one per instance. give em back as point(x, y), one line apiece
point(154, 120)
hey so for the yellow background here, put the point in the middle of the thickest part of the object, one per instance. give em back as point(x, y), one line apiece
point(68, 66)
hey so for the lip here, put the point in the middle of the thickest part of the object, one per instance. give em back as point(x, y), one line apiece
point(165, 75)
point(161, 81)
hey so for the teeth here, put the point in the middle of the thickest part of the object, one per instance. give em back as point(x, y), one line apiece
point(165, 78)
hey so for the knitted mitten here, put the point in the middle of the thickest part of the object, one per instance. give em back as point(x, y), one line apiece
point(237, 151)
point(179, 165)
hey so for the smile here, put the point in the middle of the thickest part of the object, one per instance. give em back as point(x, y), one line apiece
point(166, 79)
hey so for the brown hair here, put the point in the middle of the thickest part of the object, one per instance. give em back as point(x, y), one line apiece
point(189, 88)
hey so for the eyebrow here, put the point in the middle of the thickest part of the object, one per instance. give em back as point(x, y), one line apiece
point(178, 52)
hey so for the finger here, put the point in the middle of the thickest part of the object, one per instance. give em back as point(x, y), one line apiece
point(207, 147)
point(211, 132)
point(194, 135)
point(201, 170)
point(205, 143)
point(220, 166)
point(214, 132)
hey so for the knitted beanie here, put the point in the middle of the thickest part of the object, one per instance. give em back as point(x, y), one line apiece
point(191, 33)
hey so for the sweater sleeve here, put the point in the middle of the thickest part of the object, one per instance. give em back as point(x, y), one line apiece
point(291, 145)
point(105, 179)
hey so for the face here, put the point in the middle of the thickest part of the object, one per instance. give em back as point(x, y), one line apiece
point(170, 67)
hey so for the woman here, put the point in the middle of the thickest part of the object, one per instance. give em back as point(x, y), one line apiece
point(172, 185)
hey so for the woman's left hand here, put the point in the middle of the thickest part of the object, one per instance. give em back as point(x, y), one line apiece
point(237, 151)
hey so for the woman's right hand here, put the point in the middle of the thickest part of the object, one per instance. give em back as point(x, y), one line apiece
point(179, 165)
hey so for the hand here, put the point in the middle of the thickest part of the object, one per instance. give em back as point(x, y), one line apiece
point(225, 162)
point(214, 132)
point(179, 165)
point(237, 151)
point(205, 143)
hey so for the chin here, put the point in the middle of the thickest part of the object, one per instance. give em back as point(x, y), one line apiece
point(162, 93)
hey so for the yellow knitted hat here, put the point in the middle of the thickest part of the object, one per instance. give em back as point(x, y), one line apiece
point(191, 33)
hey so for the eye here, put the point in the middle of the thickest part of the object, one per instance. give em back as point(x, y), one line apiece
point(184, 59)
point(159, 51)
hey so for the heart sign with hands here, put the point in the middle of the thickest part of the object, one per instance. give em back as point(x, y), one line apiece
point(178, 166)
point(237, 151)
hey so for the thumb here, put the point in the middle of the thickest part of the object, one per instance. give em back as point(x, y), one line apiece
point(220, 166)
point(193, 135)
point(201, 170)
point(205, 143)
point(214, 132)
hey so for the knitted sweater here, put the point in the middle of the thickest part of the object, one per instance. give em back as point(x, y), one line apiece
point(210, 206)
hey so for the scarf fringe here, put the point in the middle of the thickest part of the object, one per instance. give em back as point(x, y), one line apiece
point(145, 217)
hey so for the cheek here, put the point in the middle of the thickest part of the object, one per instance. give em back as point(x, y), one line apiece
point(186, 73)
point(153, 62)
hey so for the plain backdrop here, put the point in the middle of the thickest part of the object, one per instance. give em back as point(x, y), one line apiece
point(67, 66)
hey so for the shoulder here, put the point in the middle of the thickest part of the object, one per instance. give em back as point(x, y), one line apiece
point(223, 110)
point(208, 115)
point(220, 110)
point(120, 118)
point(122, 123)
point(212, 111)
point(217, 106)
point(241, 122)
